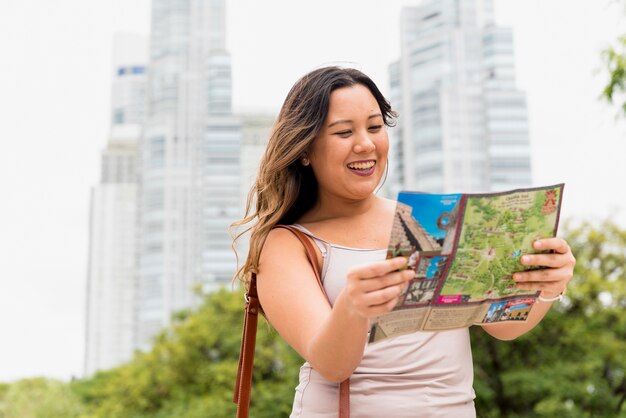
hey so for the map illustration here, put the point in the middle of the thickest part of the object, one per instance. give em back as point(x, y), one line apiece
point(495, 232)
point(464, 249)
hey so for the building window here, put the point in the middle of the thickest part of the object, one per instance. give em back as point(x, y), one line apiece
point(118, 116)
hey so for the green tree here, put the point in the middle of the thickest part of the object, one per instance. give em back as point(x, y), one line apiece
point(573, 363)
point(4, 387)
point(615, 60)
point(191, 370)
point(39, 398)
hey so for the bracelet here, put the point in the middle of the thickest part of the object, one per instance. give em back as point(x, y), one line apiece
point(558, 297)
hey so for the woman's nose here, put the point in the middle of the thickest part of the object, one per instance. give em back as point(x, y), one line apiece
point(363, 143)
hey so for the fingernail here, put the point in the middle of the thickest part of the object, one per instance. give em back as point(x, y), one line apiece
point(538, 244)
point(525, 259)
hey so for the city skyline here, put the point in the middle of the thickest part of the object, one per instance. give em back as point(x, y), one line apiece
point(61, 111)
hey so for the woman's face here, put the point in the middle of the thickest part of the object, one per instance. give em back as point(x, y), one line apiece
point(349, 154)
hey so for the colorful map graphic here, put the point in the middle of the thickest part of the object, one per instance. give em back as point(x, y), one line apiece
point(494, 232)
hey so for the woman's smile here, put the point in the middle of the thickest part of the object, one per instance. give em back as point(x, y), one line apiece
point(362, 168)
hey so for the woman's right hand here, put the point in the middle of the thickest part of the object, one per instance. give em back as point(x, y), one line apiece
point(373, 289)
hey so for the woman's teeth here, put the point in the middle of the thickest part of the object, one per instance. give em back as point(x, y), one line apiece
point(361, 166)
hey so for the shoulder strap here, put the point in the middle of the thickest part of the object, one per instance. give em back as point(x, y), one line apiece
point(246, 353)
point(248, 340)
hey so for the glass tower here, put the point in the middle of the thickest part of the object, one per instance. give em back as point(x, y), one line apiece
point(189, 163)
point(111, 309)
point(463, 124)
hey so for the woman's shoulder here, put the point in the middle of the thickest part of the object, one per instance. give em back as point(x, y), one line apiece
point(280, 236)
point(283, 238)
point(283, 246)
point(280, 243)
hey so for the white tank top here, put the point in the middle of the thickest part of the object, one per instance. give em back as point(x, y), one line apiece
point(423, 374)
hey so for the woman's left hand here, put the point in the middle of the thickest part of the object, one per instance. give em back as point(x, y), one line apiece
point(552, 280)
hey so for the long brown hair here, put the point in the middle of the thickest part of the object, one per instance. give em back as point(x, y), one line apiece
point(284, 188)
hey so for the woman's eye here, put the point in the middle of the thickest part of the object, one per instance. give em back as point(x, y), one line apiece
point(343, 133)
point(375, 128)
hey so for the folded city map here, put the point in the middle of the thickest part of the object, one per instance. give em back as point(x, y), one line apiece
point(464, 249)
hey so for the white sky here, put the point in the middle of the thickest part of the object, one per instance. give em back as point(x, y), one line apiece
point(54, 107)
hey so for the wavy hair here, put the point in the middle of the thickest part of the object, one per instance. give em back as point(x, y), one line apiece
point(285, 189)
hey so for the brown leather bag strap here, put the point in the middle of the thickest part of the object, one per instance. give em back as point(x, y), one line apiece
point(243, 384)
point(246, 353)
point(344, 399)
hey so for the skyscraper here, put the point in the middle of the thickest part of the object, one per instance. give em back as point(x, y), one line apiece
point(189, 163)
point(111, 284)
point(463, 123)
point(111, 276)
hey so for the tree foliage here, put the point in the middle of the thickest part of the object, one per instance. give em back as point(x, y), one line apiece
point(191, 370)
point(615, 60)
point(39, 398)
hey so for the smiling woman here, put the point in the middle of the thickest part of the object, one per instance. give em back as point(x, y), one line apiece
point(349, 156)
point(325, 158)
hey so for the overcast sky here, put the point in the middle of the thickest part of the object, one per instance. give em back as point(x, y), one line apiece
point(54, 107)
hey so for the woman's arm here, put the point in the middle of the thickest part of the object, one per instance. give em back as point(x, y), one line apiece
point(332, 340)
point(551, 281)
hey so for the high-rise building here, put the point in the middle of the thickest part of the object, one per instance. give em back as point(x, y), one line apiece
point(463, 123)
point(189, 163)
point(111, 275)
point(111, 283)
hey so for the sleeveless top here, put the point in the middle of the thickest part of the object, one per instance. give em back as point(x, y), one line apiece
point(423, 374)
